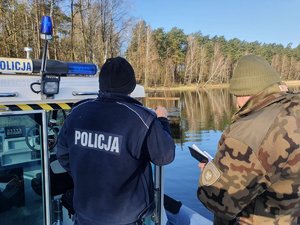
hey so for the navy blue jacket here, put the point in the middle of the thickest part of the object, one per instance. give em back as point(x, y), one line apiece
point(107, 145)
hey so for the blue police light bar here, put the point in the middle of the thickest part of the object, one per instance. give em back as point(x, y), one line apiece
point(65, 68)
point(82, 68)
point(46, 28)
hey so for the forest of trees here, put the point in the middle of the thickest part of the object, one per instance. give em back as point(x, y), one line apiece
point(94, 30)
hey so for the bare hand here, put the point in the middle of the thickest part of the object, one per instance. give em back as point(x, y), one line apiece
point(202, 166)
point(161, 111)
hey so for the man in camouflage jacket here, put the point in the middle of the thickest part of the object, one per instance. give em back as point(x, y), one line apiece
point(255, 175)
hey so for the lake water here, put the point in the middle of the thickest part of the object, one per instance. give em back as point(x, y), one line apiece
point(203, 117)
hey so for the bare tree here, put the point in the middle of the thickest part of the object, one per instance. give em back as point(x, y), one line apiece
point(216, 65)
point(285, 67)
point(191, 59)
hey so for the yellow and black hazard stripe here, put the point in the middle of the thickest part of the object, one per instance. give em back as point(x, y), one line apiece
point(42, 106)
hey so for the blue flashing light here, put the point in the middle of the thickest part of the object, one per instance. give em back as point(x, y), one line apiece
point(82, 68)
point(46, 25)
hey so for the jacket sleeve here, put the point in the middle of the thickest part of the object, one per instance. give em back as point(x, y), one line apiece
point(62, 152)
point(159, 143)
point(232, 180)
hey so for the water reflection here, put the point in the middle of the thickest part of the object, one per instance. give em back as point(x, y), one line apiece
point(199, 110)
point(206, 109)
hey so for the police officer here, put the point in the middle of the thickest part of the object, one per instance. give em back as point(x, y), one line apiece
point(107, 145)
point(255, 175)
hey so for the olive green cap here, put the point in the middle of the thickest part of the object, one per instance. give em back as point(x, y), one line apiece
point(251, 75)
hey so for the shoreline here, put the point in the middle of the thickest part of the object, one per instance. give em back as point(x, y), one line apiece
point(194, 87)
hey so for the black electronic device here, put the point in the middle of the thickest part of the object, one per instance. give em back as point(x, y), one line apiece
point(201, 156)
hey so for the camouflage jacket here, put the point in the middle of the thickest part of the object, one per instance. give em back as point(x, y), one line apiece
point(255, 175)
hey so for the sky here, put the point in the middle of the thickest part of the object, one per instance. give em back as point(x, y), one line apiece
point(265, 21)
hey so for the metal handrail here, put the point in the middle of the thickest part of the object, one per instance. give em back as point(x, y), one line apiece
point(46, 171)
point(77, 93)
point(9, 94)
point(159, 194)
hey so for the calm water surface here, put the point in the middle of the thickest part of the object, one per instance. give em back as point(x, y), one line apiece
point(204, 115)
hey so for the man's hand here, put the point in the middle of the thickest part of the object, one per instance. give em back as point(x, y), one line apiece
point(161, 111)
point(201, 166)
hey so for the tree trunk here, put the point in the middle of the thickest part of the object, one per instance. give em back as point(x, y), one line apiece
point(83, 31)
point(72, 31)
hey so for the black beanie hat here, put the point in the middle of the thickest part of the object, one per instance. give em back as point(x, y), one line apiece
point(117, 75)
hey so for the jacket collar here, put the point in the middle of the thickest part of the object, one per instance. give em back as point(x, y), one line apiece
point(260, 101)
point(110, 96)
